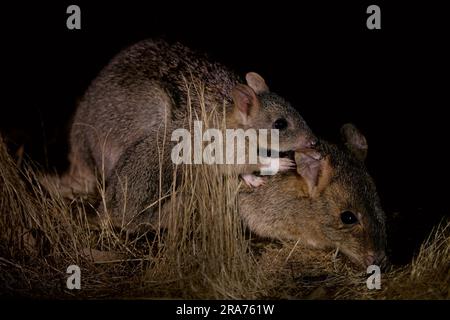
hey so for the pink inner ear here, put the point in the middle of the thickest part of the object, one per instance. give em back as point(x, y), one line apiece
point(243, 98)
point(244, 103)
point(309, 166)
point(310, 170)
point(256, 82)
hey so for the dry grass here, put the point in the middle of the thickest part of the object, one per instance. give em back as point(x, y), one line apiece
point(205, 252)
point(307, 274)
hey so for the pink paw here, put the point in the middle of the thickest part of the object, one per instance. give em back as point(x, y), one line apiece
point(286, 164)
point(253, 181)
point(275, 165)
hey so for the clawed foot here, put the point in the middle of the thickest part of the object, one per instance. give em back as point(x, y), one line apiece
point(286, 164)
point(273, 165)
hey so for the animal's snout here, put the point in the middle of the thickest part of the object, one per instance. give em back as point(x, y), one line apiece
point(378, 258)
point(307, 142)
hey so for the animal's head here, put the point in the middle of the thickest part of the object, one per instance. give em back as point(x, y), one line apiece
point(254, 106)
point(331, 202)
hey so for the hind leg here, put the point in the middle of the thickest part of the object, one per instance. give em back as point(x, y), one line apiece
point(141, 176)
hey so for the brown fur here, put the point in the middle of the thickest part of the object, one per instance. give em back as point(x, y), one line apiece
point(121, 129)
point(288, 208)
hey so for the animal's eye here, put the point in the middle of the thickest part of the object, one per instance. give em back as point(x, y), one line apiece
point(280, 124)
point(348, 217)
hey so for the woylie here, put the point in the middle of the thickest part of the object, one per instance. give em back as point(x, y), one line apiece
point(121, 129)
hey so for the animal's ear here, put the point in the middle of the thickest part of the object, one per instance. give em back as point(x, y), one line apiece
point(256, 82)
point(246, 103)
point(354, 141)
point(315, 170)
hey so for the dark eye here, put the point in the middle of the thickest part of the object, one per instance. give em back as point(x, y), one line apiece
point(348, 217)
point(280, 124)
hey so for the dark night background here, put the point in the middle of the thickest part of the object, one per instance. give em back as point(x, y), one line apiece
point(392, 83)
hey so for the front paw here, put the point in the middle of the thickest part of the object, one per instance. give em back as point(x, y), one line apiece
point(271, 166)
point(253, 181)
point(286, 164)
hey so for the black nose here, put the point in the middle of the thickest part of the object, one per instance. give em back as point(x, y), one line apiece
point(380, 259)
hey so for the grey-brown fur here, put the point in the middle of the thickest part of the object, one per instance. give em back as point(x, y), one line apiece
point(288, 207)
point(129, 111)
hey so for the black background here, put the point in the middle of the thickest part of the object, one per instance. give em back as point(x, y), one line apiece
point(392, 83)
